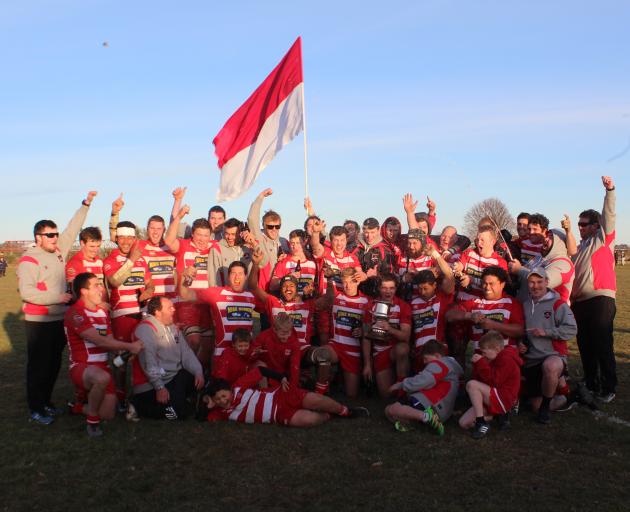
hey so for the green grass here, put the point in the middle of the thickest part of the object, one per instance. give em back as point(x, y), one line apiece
point(577, 463)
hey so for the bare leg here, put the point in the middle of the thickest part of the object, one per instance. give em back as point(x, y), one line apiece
point(321, 403)
point(401, 355)
point(403, 412)
point(304, 418)
point(384, 381)
point(351, 384)
point(95, 380)
point(479, 394)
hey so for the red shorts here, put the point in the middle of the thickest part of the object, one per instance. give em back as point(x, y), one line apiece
point(289, 402)
point(192, 314)
point(496, 406)
point(349, 360)
point(124, 326)
point(76, 376)
point(382, 360)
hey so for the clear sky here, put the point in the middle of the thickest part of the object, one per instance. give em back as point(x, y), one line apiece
point(459, 100)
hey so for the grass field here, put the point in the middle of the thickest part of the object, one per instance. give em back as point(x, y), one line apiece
point(578, 462)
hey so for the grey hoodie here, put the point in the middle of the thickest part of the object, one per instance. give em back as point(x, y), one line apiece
point(165, 353)
point(268, 245)
point(556, 318)
point(436, 386)
point(219, 262)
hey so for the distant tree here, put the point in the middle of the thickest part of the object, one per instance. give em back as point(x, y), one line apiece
point(493, 208)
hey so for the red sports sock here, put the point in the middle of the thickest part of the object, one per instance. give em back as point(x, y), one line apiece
point(344, 412)
point(77, 408)
point(93, 420)
point(564, 390)
point(321, 388)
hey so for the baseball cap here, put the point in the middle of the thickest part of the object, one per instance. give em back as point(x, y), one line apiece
point(288, 278)
point(538, 271)
point(415, 234)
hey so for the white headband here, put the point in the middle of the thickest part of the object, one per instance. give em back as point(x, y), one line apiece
point(124, 231)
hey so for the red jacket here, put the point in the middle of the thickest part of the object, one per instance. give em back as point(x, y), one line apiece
point(231, 366)
point(278, 356)
point(503, 373)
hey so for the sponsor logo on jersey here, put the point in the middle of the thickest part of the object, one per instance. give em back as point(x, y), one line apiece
point(423, 318)
point(238, 313)
point(161, 266)
point(135, 278)
point(201, 262)
point(297, 320)
point(349, 319)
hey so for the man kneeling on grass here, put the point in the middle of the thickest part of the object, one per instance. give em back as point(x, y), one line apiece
point(431, 393)
point(494, 389)
point(284, 405)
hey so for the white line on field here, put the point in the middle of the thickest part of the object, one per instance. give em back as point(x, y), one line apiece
point(613, 419)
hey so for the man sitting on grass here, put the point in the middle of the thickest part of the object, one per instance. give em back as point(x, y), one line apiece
point(431, 393)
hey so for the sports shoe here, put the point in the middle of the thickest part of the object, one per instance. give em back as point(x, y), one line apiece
point(543, 417)
point(94, 430)
point(605, 398)
point(586, 396)
point(51, 410)
point(358, 412)
point(131, 414)
point(434, 421)
point(169, 413)
point(515, 408)
point(504, 422)
point(480, 430)
point(568, 405)
point(402, 427)
point(42, 419)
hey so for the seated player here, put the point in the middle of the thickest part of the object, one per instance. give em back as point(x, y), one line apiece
point(494, 390)
point(288, 405)
point(301, 312)
point(296, 264)
point(172, 369)
point(237, 359)
point(430, 394)
point(89, 335)
point(348, 318)
point(383, 357)
point(549, 325)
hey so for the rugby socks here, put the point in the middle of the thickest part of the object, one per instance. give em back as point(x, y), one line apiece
point(321, 388)
point(544, 405)
point(564, 390)
point(93, 419)
point(480, 420)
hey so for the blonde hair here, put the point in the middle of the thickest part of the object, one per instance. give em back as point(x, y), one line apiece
point(493, 340)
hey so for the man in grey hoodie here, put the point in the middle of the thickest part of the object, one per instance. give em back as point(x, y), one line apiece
point(549, 324)
point(171, 368)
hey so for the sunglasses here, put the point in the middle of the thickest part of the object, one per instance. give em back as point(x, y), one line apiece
point(273, 226)
point(584, 224)
point(49, 235)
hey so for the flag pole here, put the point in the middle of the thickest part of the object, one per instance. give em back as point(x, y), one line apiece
point(305, 145)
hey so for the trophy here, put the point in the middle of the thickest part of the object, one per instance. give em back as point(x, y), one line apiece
point(380, 311)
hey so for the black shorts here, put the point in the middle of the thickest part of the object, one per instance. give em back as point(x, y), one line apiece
point(533, 376)
point(412, 402)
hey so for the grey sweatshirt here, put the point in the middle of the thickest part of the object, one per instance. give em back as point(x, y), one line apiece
point(42, 275)
point(165, 353)
point(556, 318)
point(219, 262)
point(268, 245)
point(436, 386)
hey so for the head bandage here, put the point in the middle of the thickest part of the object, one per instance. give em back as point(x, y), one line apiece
point(124, 231)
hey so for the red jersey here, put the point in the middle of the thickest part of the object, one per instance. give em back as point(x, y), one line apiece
point(124, 298)
point(399, 314)
point(428, 317)
point(161, 265)
point(348, 313)
point(230, 311)
point(308, 271)
point(79, 264)
point(346, 260)
point(278, 356)
point(301, 312)
point(503, 374)
point(529, 250)
point(506, 310)
point(473, 266)
point(231, 366)
point(79, 318)
point(406, 264)
point(189, 256)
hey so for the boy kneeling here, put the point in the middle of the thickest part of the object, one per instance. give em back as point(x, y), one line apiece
point(286, 405)
point(431, 393)
point(495, 389)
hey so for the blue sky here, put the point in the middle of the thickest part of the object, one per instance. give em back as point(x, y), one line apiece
point(459, 100)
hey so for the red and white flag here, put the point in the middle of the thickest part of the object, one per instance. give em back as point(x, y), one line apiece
point(259, 129)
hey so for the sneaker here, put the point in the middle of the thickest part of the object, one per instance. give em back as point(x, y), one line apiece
point(605, 398)
point(122, 406)
point(131, 414)
point(169, 413)
point(480, 430)
point(568, 405)
point(51, 410)
point(358, 412)
point(515, 408)
point(586, 396)
point(42, 419)
point(543, 417)
point(94, 430)
point(402, 427)
point(504, 422)
point(434, 422)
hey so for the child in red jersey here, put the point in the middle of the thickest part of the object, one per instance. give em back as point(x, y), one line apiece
point(236, 359)
point(494, 390)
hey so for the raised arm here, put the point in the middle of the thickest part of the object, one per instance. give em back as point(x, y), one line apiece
point(253, 217)
point(69, 235)
point(316, 244)
point(410, 209)
point(252, 278)
point(570, 241)
point(448, 280)
point(608, 213)
point(178, 196)
point(170, 239)
point(117, 206)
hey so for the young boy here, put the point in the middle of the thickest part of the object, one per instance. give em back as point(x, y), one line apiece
point(431, 393)
point(236, 359)
point(292, 407)
point(495, 389)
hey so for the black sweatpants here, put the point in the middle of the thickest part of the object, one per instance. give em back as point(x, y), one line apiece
point(179, 388)
point(44, 345)
point(595, 318)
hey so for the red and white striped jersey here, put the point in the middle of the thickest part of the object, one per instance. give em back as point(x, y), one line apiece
point(347, 260)
point(529, 250)
point(79, 318)
point(348, 313)
point(230, 311)
point(161, 265)
point(308, 271)
point(506, 310)
point(189, 256)
point(301, 312)
point(79, 264)
point(399, 314)
point(406, 264)
point(474, 264)
point(124, 298)
point(428, 317)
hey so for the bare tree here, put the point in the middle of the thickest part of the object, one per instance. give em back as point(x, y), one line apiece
point(493, 208)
